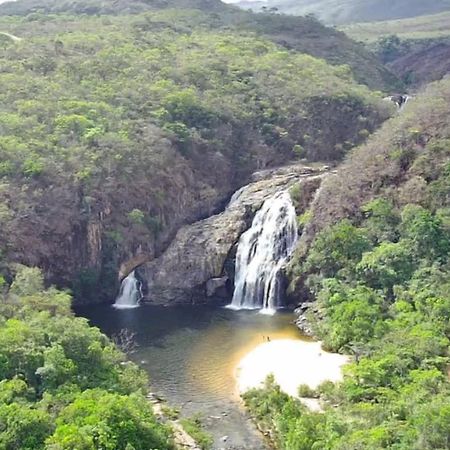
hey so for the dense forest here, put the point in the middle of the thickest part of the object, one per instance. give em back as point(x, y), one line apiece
point(375, 254)
point(64, 385)
point(300, 34)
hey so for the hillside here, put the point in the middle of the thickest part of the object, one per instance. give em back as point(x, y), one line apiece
point(375, 256)
point(305, 35)
point(338, 12)
point(184, 155)
point(424, 62)
point(417, 50)
point(115, 131)
point(405, 162)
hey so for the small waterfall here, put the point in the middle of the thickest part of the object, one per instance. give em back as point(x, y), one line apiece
point(129, 294)
point(262, 252)
point(400, 100)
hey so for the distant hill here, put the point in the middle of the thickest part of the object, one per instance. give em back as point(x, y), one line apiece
point(422, 27)
point(22, 7)
point(339, 12)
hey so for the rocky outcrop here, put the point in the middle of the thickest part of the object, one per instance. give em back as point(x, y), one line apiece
point(303, 317)
point(193, 269)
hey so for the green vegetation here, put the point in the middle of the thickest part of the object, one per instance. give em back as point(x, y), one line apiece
point(378, 264)
point(113, 127)
point(194, 427)
point(301, 34)
point(64, 385)
point(117, 128)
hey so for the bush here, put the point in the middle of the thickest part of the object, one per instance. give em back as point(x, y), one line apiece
point(195, 429)
point(305, 391)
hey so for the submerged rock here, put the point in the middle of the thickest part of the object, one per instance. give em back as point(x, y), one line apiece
point(215, 285)
point(193, 269)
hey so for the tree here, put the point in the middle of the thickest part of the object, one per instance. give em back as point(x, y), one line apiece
point(101, 420)
point(425, 231)
point(352, 315)
point(23, 427)
point(381, 220)
point(28, 281)
point(386, 265)
point(337, 247)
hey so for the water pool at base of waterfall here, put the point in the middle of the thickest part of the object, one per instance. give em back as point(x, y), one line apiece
point(191, 354)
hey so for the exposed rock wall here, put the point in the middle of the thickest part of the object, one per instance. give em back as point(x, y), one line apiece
point(194, 267)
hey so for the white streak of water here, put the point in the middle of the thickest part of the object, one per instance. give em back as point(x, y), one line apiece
point(129, 294)
point(262, 252)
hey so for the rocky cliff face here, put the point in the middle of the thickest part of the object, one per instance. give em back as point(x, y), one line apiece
point(195, 266)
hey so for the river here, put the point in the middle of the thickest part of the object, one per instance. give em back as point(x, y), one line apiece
point(191, 354)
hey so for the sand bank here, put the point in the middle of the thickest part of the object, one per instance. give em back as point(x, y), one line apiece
point(292, 362)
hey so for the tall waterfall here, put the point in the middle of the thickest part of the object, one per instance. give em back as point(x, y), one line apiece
point(129, 294)
point(261, 254)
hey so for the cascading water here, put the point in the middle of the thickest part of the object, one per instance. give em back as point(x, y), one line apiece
point(262, 252)
point(129, 294)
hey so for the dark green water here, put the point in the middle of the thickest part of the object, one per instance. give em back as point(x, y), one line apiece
point(191, 354)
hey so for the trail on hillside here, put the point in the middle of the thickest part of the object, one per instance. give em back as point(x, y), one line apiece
point(14, 38)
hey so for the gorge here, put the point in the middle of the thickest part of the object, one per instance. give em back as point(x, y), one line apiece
point(204, 356)
point(186, 186)
point(236, 258)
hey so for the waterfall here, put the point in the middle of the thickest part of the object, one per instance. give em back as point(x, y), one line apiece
point(262, 252)
point(129, 294)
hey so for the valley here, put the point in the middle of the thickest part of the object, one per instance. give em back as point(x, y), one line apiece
point(224, 230)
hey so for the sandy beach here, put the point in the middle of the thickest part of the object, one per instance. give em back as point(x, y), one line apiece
point(292, 362)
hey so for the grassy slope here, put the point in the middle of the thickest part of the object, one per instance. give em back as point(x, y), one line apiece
point(399, 162)
point(298, 33)
point(424, 27)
